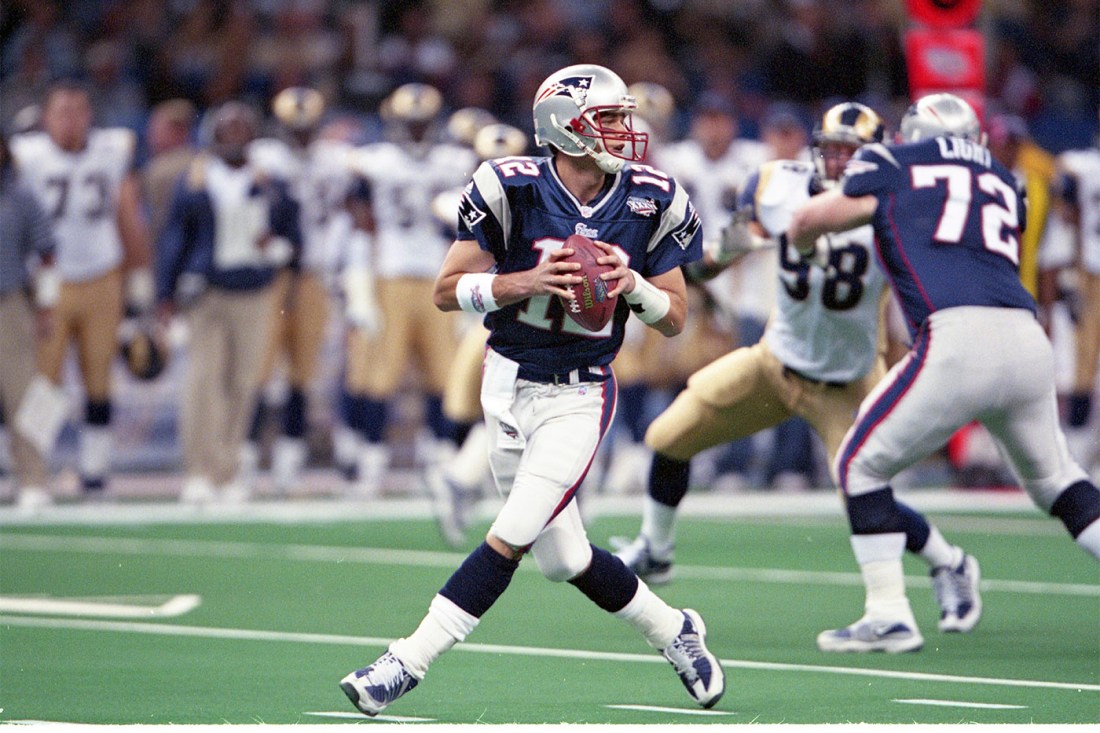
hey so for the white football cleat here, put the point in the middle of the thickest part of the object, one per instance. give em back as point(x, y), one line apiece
point(873, 635)
point(699, 670)
point(639, 557)
point(958, 596)
point(372, 688)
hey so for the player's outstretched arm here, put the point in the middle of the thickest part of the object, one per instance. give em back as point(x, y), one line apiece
point(466, 283)
point(831, 211)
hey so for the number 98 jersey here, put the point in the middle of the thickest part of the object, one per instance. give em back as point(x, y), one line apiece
point(957, 242)
point(826, 322)
point(519, 210)
point(79, 191)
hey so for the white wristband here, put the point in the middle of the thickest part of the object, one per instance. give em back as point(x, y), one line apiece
point(648, 302)
point(475, 293)
point(47, 287)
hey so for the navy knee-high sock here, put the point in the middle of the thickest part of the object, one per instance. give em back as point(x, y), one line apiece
point(480, 580)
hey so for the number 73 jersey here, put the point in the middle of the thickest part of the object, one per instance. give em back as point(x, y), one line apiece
point(826, 322)
point(518, 210)
point(79, 192)
point(947, 224)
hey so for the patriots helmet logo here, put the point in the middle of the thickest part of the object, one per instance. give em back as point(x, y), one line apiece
point(571, 86)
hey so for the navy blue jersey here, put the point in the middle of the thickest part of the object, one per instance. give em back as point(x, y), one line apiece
point(520, 211)
point(947, 225)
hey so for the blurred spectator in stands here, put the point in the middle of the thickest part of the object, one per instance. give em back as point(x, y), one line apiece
point(26, 305)
point(117, 100)
point(42, 26)
point(169, 150)
point(784, 131)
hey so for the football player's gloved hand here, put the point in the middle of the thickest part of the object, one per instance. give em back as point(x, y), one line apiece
point(278, 251)
point(361, 304)
point(140, 292)
point(818, 256)
point(736, 239)
point(189, 288)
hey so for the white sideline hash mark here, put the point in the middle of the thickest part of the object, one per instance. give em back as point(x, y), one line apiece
point(659, 709)
point(100, 607)
point(960, 704)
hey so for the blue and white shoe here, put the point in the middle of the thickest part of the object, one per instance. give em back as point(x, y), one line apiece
point(372, 688)
point(873, 635)
point(957, 595)
point(699, 670)
point(639, 557)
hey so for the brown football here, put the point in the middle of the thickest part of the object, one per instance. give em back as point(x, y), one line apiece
point(592, 308)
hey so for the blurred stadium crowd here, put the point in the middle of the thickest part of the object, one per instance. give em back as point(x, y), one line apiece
point(726, 83)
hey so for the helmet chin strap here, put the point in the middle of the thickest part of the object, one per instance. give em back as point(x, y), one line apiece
point(607, 162)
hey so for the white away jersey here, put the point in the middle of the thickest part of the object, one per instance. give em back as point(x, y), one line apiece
point(320, 178)
point(79, 192)
point(404, 179)
point(1084, 166)
point(825, 325)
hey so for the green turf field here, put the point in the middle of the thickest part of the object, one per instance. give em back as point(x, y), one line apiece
point(287, 609)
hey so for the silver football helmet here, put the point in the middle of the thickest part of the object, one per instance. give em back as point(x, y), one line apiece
point(567, 113)
point(940, 114)
point(499, 141)
point(298, 108)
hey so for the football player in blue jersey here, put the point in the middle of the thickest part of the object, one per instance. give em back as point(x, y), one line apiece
point(547, 392)
point(947, 220)
point(820, 356)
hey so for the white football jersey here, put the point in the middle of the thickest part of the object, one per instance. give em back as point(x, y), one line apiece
point(79, 191)
point(320, 178)
point(825, 325)
point(1084, 165)
point(404, 179)
point(748, 287)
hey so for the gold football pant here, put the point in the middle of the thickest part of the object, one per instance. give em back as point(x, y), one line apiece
point(747, 391)
point(298, 322)
point(87, 313)
point(412, 326)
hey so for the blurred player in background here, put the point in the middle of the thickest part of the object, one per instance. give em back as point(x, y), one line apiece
point(947, 221)
point(28, 293)
point(230, 227)
point(321, 181)
point(548, 391)
point(714, 163)
point(457, 484)
point(404, 175)
point(821, 354)
point(1080, 205)
point(84, 178)
point(170, 148)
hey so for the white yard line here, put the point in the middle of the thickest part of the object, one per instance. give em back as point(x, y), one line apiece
point(98, 607)
point(165, 629)
point(960, 704)
point(697, 504)
point(451, 560)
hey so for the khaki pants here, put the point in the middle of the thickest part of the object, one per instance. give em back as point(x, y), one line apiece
point(17, 368)
point(87, 313)
point(229, 332)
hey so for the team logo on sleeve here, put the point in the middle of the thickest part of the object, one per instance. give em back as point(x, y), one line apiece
point(468, 212)
point(571, 86)
point(688, 229)
point(642, 206)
